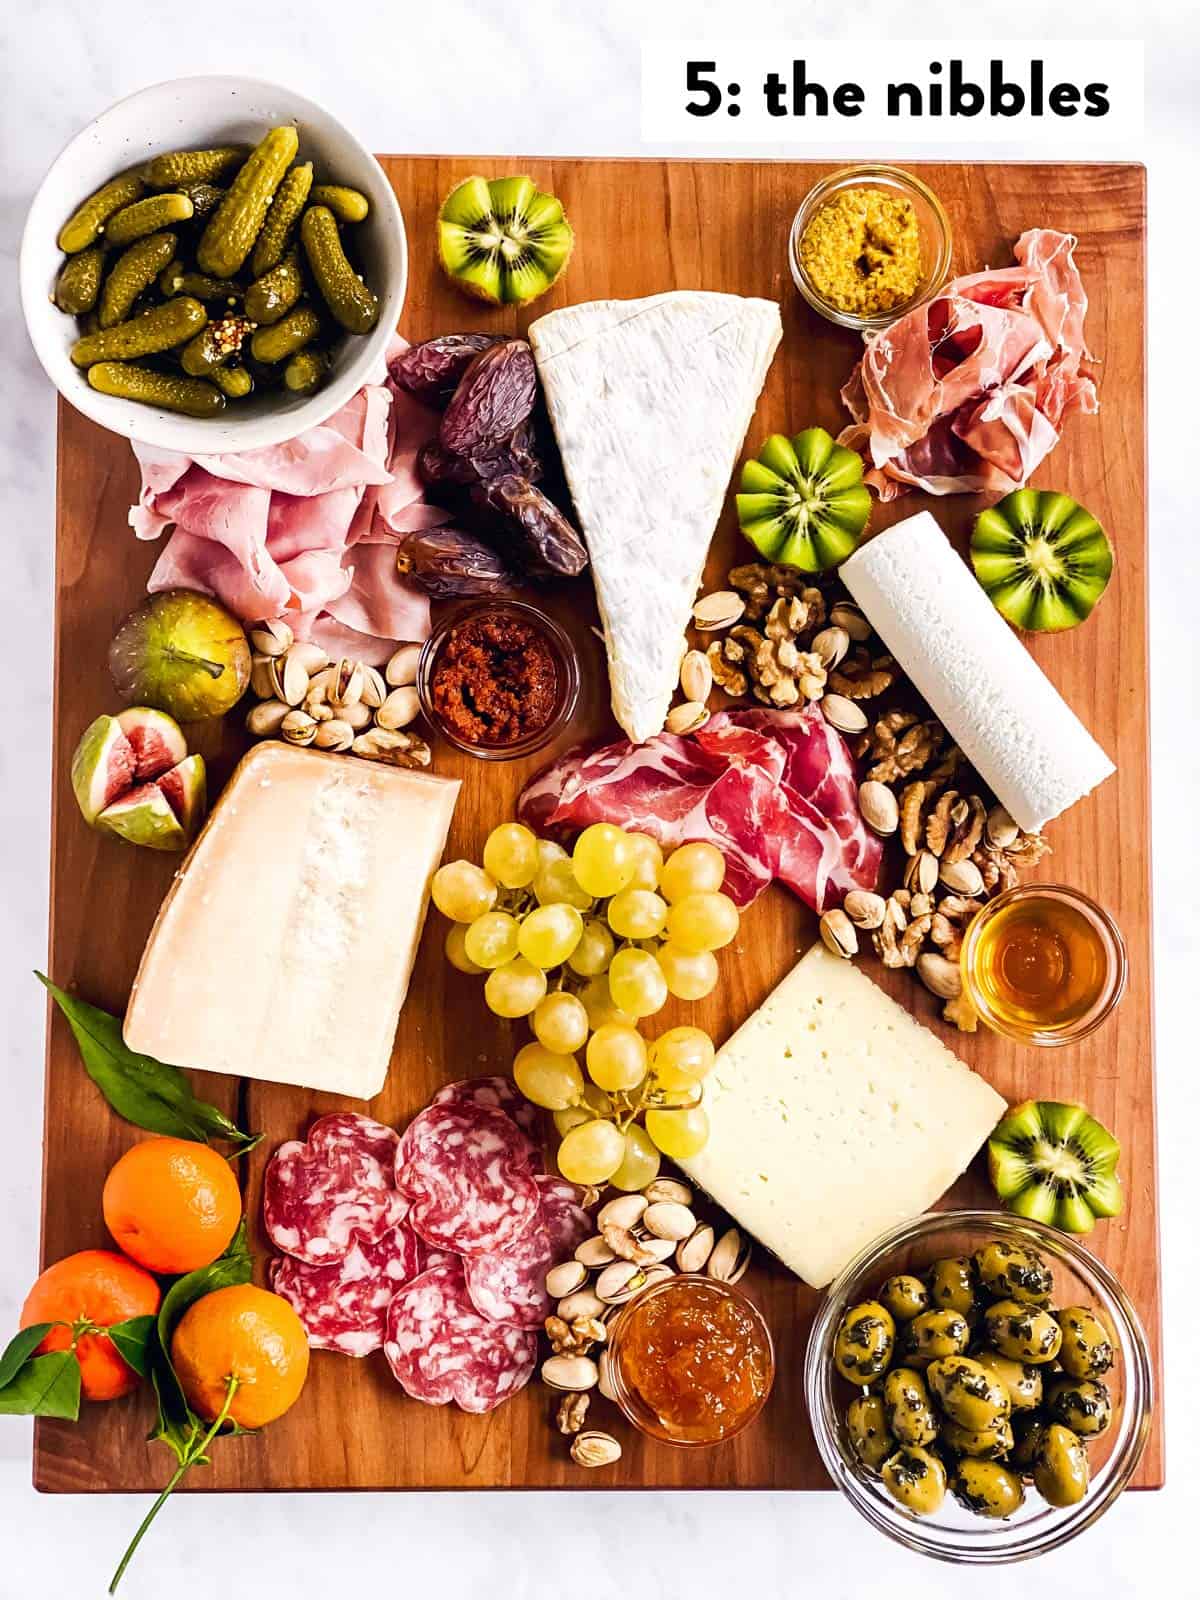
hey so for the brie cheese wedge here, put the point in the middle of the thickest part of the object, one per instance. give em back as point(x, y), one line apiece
point(650, 401)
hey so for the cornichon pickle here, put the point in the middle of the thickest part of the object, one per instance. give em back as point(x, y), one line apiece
point(176, 279)
point(205, 198)
point(236, 382)
point(159, 329)
point(274, 294)
point(192, 396)
point(79, 281)
point(286, 208)
point(148, 216)
point(284, 338)
point(135, 269)
point(344, 292)
point(347, 205)
point(83, 226)
point(179, 167)
point(305, 370)
point(229, 237)
point(214, 345)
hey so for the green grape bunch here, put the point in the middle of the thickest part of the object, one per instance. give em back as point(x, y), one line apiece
point(586, 945)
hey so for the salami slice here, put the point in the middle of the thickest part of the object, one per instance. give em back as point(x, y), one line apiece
point(344, 1306)
point(320, 1194)
point(440, 1349)
point(350, 1130)
point(498, 1094)
point(509, 1286)
point(464, 1170)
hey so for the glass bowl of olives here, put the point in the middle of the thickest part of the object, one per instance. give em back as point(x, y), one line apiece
point(979, 1386)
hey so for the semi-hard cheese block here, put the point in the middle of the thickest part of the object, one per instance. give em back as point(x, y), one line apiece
point(1006, 716)
point(284, 949)
point(835, 1115)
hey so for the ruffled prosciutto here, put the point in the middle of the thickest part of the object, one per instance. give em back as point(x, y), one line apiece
point(775, 791)
point(304, 530)
point(968, 392)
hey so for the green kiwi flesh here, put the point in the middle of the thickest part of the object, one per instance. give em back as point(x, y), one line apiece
point(503, 240)
point(803, 502)
point(1042, 558)
point(1054, 1163)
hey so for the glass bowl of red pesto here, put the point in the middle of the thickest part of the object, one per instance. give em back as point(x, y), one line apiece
point(498, 679)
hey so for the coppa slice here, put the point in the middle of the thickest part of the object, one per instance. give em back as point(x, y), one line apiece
point(510, 1285)
point(322, 1195)
point(440, 1349)
point(650, 401)
point(344, 1306)
point(464, 1169)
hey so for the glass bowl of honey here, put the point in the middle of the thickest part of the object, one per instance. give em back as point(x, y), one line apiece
point(1043, 964)
point(691, 1361)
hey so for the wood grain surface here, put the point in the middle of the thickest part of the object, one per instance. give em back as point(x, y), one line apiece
point(642, 227)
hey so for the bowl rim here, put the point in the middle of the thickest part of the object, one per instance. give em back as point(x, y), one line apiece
point(150, 425)
point(1137, 1395)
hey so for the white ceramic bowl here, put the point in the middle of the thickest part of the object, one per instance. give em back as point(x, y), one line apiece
point(193, 113)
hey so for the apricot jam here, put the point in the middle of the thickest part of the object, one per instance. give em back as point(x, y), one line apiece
point(692, 1361)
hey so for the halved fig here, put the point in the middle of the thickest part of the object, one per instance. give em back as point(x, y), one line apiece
point(185, 788)
point(103, 766)
point(156, 740)
point(1042, 559)
point(803, 502)
point(144, 816)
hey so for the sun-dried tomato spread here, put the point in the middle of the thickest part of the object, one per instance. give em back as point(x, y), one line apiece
point(495, 681)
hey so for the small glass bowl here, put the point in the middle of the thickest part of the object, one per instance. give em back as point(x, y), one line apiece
point(631, 1403)
point(932, 224)
point(1116, 966)
point(566, 663)
point(955, 1534)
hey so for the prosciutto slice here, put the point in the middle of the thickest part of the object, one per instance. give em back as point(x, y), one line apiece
point(968, 392)
point(304, 530)
point(775, 791)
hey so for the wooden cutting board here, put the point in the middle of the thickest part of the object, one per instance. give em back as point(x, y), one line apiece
point(642, 226)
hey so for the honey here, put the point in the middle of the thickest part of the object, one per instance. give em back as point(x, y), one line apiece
point(1043, 964)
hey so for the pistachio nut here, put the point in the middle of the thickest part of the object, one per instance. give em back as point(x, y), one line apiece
point(668, 1189)
point(730, 1257)
point(594, 1449)
point(921, 873)
point(262, 683)
point(669, 1219)
point(266, 718)
point(320, 685)
point(298, 727)
point(879, 807)
point(695, 676)
point(720, 609)
point(271, 638)
point(401, 670)
point(620, 1281)
point(565, 1278)
point(358, 715)
point(595, 1252)
point(962, 877)
point(940, 976)
point(831, 645)
point(865, 909)
point(374, 689)
point(845, 614)
point(333, 734)
point(692, 1253)
point(838, 935)
point(623, 1212)
point(347, 687)
point(687, 717)
point(1002, 831)
point(289, 677)
point(580, 1303)
point(843, 714)
point(570, 1372)
point(394, 749)
point(399, 708)
point(310, 656)
point(604, 1382)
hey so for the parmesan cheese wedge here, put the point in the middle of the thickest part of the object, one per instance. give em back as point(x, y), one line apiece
point(285, 946)
point(650, 401)
point(833, 1116)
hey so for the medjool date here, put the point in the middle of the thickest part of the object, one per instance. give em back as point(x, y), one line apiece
point(529, 528)
point(448, 563)
point(518, 454)
point(431, 371)
point(494, 396)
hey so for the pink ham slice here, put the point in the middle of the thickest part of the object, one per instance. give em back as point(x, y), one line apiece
point(968, 392)
point(775, 791)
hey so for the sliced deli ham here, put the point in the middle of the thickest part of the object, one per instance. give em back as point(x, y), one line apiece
point(440, 1349)
point(465, 1171)
point(775, 791)
point(510, 1285)
point(343, 1306)
point(322, 1194)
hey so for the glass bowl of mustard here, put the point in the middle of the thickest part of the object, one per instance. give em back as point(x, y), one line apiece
point(690, 1361)
point(498, 679)
point(868, 244)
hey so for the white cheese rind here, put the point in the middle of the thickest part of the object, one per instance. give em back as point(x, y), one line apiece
point(833, 1116)
point(1006, 716)
point(650, 401)
point(285, 946)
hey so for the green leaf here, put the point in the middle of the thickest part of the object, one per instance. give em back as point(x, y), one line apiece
point(149, 1093)
point(20, 1347)
point(47, 1386)
point(132, 1339)
point(176, 1425)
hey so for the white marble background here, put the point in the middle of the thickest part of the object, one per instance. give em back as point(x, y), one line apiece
point(558, 78)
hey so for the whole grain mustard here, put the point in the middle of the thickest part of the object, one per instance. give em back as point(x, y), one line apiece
point(862, 251)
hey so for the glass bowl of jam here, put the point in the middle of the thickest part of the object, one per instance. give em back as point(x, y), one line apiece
point(691, 1361)
point(1043, 964)
point(498, 679)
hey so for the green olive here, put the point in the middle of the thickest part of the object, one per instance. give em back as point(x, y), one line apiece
point(1023, 1382)
point(991, 1444)
point(987, 1488)
point(866, 1424)
point(906, 1401)
point(935, 1334)
point(1060, 1467)
point(904, 1296)
point(1087, 1349)
point(863, 1348)
point(1010, 1272)
point(1081, 1404)
point(915, 1479)
point(1022, 1332)
point(1028, 1429)
point(967, 1392)
point(952, 1284)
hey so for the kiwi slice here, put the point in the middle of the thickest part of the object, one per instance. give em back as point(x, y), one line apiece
point(502, 240)
point(1042, 558)
point(803, 502)
point(1055, 1163)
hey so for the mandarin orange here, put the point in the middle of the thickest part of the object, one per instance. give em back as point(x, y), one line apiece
point(172, 1204)
point(246, 1333)
point(92, 1290)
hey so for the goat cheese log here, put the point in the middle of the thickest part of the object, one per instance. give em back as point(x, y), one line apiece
point(1006, 716)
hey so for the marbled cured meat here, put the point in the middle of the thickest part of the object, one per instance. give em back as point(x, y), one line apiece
point(499, 1094)
point(510, 1285)
point(465, 1171)
point(322, 1194)
point(343, 1306)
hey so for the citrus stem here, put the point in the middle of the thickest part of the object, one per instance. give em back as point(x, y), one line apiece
point(194, 1451)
